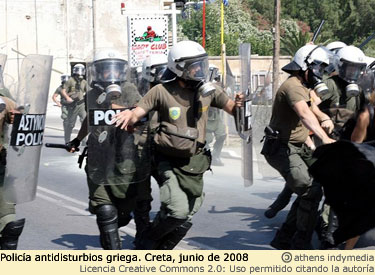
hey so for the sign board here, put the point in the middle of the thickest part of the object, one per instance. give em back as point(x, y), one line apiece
point(147, 35)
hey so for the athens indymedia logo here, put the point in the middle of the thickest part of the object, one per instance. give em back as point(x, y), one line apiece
point(28, 130)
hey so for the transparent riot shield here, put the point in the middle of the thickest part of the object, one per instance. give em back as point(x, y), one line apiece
point(26, 133)
point(261, 115)
point(244, 119)
point(115, 156)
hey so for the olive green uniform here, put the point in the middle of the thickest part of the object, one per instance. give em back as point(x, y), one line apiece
point(180, 159)
point(125, 197)
point(76, 89)
point(64, 109)
point(291, 157)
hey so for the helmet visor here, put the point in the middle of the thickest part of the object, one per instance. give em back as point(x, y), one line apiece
point(109, 70)
point(157, 72)
point(350, 71)
point(318, 68)
point(79, 70)
point(196, 69)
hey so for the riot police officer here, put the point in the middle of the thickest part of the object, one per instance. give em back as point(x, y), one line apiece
point(341, 102)
point(285, 149)
point(73, 92)
point(153, 68)
point(10, 228)
point(182, 103)
point(113, 159)
point(62, 102)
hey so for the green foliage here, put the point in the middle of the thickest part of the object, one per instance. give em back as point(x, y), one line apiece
point(292, 42)
point(349, 21)
point(238, 28)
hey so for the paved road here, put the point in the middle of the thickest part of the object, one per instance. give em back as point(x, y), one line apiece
point(230, 218)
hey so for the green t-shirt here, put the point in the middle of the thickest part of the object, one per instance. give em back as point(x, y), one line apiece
point(174, 104)
point(284, 119)
point(75, 89)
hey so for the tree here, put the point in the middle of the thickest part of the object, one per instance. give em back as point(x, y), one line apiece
point(239, 28)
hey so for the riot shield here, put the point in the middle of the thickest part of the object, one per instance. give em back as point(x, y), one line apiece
point(243, 120)
point(26, 133)
point(115, 156)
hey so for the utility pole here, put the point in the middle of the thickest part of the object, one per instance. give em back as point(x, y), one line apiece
point(276, 48)
point(93, 25)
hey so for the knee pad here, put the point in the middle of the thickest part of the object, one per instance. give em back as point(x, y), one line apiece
point(107, 220)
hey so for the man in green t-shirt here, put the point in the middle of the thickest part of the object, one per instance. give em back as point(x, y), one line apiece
point(287, 144)
point(73, 92)
point(182, 104)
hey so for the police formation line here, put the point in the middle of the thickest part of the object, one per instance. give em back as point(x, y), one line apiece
point(156, 127)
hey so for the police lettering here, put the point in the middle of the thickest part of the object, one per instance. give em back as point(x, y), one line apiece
point(27, 130)
point(103, 117)
point(31, 123)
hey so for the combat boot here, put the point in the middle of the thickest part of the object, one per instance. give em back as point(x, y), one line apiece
point(153, 236)
point(107, 220)
point(141, 218)
point(283, 238)
point(279, 204)
point(173, 238)
point(10, 235)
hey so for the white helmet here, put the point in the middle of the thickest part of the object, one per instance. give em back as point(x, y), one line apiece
point(335, 46)
point(64, 78)
point(306, 56)
point(109, 66)
point(79, 69)
point(351, 63)
point(153, 67)
point(188, 60)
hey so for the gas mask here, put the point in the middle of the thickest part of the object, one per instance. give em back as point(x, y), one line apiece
point(206, 88)
point(314, 78)
point(350, 73)
point(108, 74)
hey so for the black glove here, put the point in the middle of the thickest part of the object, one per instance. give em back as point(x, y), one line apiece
point(73, 144)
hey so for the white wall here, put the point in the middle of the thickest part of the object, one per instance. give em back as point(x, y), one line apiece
point(64, 29)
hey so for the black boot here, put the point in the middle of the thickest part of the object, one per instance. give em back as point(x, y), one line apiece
point(283, 237)
point(107, 220)
point(10, 235)
point(152, 237)
point(173, 238)
point(141, 218)
point(280, 203)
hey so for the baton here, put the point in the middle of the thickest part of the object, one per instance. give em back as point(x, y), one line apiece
point(316, 33)
point(368, 39)
point(59, 146)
